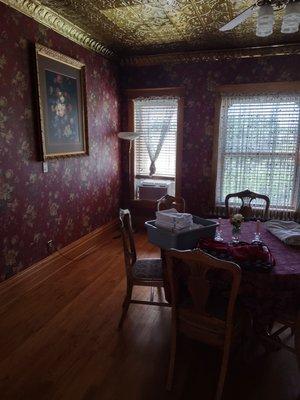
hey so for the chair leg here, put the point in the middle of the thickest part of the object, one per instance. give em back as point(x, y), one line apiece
point(125, 306)
point(172, 355)
point(159, 293)
point(293, 330)
point(223, 371)
point(151, 294)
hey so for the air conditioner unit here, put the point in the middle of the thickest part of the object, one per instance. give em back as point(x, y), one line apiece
point(152, 190)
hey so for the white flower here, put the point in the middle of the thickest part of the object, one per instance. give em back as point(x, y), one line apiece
point(237, 217)
point(236, 220)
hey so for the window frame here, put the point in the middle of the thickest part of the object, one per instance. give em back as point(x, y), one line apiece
point(243, 89)
point(132, 94)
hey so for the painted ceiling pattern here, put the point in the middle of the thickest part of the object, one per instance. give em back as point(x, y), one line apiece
point(146, 26)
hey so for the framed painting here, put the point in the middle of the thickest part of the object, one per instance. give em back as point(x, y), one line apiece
point(62, 104)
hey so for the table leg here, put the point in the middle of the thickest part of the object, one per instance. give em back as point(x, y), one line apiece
point(297, 338)
point(165, 276)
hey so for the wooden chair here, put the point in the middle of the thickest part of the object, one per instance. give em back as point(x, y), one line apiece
point(140, 272)
point(166, 202)
point(246, 196)
point(196, 314)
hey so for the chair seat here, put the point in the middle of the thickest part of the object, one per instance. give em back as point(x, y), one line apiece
point(147, 269)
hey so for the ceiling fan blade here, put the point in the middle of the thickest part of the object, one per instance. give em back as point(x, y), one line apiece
point(239, 18)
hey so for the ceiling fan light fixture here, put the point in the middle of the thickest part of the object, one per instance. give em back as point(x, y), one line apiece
point(289, 27)
point(292, 12)
point(265, 14)
point(265, 21)
point(264, 32)
point(291, 18)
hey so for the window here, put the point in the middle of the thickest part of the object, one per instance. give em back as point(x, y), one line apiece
point(156, 114)
point(155, 149)
point(259, 147)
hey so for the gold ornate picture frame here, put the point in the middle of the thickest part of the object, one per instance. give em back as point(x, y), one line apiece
point(62, 104)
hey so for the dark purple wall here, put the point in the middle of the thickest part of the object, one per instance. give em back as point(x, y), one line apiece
point(199, 80)
point(78, 194)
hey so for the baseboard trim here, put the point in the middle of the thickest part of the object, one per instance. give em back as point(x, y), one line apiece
point(39, 271)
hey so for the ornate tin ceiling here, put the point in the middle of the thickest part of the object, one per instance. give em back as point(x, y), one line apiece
point(147, 26)
point(129, 27)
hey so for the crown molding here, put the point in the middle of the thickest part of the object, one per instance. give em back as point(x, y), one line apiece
point(54, 21)
point(212, 55)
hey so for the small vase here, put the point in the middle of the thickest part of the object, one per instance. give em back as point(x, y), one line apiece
point(236, 235)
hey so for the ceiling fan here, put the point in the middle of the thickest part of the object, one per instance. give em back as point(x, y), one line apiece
point(265, 18)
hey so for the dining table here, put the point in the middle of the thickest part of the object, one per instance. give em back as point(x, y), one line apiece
point(267, 295)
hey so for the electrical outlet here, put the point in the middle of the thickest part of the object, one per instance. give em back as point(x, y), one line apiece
point(50, 246)
point(45, 166)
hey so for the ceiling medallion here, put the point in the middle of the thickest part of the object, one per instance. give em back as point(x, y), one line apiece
point(54, 21)
point(212, 55)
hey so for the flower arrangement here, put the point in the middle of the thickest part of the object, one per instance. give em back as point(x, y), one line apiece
point(236, 222)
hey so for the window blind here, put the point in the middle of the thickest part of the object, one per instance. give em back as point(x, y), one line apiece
point(259, 147)
point(156, 120)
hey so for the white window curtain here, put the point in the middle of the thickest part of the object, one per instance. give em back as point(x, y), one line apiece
point(155, 149)
point(259, 149)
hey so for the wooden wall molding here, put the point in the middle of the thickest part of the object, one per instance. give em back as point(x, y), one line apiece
point(45, 16)
point(212, 55)
point(32, 276)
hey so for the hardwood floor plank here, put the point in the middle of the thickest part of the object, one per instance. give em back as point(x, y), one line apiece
point(26, 316)
point(59, 341)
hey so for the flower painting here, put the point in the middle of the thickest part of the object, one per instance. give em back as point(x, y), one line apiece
point(62, 108)
point(61, 88)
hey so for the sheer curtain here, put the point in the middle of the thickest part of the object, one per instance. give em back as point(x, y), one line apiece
point(259, 149)
point(156, 120)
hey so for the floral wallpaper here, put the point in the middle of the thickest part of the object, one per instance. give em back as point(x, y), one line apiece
point(200, 80)
point(78, 194)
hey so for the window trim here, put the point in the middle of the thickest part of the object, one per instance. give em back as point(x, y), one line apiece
point(240, 89)
point(132, 94)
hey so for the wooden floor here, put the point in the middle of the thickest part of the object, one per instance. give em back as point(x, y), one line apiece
point(58, 340)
